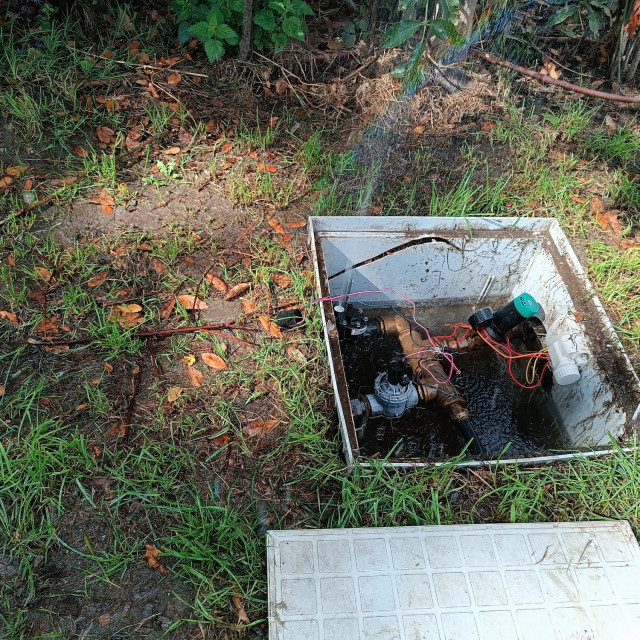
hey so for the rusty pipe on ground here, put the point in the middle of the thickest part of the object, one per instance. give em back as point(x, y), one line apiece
point(444, 394)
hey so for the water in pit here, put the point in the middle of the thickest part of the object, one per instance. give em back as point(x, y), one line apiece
point(504, 416)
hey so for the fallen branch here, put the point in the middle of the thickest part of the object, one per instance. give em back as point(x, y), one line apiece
point(554, 81)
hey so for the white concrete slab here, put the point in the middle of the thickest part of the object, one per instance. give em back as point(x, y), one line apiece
point(547, 581)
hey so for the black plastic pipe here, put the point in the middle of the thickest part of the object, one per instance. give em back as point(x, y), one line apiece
point(469, 434)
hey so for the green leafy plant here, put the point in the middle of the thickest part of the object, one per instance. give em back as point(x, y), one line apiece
point(592, 10)
point(217, 23)
point(279, 21)
point(437, 22)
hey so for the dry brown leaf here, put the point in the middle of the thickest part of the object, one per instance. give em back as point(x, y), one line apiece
point(108, 54)
point(192, 303)
point(609, 220)
point(269, 168)
point(174, 394)
point(218, 283)
point(28, 185)
point(281, 280)
point(11, 260)
point(221, 441)
point(15, 172)
point(80, 407)
point(47, 325)
point(5, 182)
point(419, 130)
point(234, 292)
point(153, 91)
point(578, 315)
point(295, 354)
point(153, 559)
point(167, 310)
point(297, 224)
point(8, 315)
point(145, 246)
point(226, 147)
point(213, 361)
point(275, 225)
point(45, 274)
point(104, 619)
point(243, 618)
point(129, 308)
point(174, 79)
point(258, 427)
point(248, 306)
point(597, 205)
point(108, 367)
point(270, 327)
point(98, 280)
point(1, 390)
point(106, 135)
point(195, 376)
point(159, 267)
point(129, 320)
point(172, 151)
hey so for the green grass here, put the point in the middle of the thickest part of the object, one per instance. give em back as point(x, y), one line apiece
point(178, 484)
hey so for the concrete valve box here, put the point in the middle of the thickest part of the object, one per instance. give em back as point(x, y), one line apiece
point(512, 356)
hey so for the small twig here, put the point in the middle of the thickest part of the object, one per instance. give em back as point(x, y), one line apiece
point(143, 66)
point(230, 337)
point(558, 83)
point(160, 333)
point(132, 402)
point(362, 67)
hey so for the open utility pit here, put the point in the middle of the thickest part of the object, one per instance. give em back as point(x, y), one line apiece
point(411, 396)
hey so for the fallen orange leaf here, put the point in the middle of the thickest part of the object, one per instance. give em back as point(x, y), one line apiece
point(174, 79)
point(226, 147)
point(248, 306)
point(153, 92)
point(221, 441)
point(218, 283)
point(213, 361)
point(172, 151)
point(297, 224)
point(153, 559)
point(167, 310)
point(106, 135)
point(269, 168)
point(281, 280)
point(174, 394)
point(15, 172)
point(195, 376)
point(98, 280)
point(243, 618)
point(129, 308)
point(234, 292)
point(258, 427)
point(45, 274)
point(8, 315)
point(108, 367)
point(270, 327)
point(192, 303)
point(159, 267)
point(275, 225)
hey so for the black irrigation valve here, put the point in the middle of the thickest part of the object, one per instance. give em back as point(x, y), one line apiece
point(498, 324)
point(289, 319)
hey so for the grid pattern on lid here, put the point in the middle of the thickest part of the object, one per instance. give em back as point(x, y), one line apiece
point(557, 581)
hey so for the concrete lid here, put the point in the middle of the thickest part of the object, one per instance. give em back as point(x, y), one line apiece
point(464, 582)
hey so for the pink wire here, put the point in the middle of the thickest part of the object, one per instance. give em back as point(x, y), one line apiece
point(436, 347)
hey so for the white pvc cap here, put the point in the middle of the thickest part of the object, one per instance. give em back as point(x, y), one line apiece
point(566, 374)
point(338, 308)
